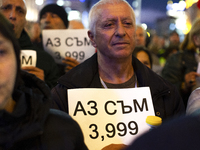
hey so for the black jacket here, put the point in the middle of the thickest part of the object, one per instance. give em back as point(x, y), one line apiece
point(176, 67)
point(166, 99)
point(32, 125)
point(44, 60)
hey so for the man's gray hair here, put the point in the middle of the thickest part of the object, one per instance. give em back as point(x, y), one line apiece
point(95, 11)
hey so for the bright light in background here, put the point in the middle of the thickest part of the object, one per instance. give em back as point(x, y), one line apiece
point(176, 6)
point(60, 2)
point(68, 3)
point(74, 15)
point(135, 4)
point(172, 26)
point(144, 26)
point(39, 2)
point(31, 15)
point(187, 29)
point(68, 9)
point(85, 19)
point(189, 3)
point(181, 23)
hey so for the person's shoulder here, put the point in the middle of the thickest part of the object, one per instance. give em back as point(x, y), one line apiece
point(61, 116)
point(62, 132)
point(59, 122)
point(178, 130)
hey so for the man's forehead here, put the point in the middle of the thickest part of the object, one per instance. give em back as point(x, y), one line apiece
point(17, 3)
point(106, 14)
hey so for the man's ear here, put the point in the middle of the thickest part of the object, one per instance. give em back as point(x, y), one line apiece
point(91, 36)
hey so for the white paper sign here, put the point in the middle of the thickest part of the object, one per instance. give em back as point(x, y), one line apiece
point(28, 58)
point(73, 43)
point(110, 116)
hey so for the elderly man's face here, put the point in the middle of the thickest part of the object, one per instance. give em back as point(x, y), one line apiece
point(115, 31)
point(51, 21)
point(15, 12)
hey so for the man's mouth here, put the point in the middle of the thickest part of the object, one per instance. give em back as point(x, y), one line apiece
point(120, 43)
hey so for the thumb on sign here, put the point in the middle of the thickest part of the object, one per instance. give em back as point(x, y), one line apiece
point(115, 147)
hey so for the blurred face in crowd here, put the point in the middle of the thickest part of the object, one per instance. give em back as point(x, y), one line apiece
point(196, 40)
point(144, 58)
point(174, 39)
point(114, 35)
point(8, 69)
point(140, 37)
point(51, 21)
point(15, 12)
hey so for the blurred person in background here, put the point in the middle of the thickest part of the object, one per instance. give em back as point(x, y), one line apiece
point(26, 121)
point(140, 36)
point(143, 55)
point(53, 17)
point(180, 69)
point(46, 68)
point(174, 38)
point(33, 30)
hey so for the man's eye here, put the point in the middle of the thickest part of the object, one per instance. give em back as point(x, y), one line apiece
point(108, 25)
point(54, 16)
point(128, 23)
point(4, 7)
point(2, 52)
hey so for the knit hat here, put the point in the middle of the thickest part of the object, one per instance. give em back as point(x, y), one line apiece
point(58, 10)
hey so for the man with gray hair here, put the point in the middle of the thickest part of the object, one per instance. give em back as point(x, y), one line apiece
point(140, 36)
point(112, 33)
point(45, 69)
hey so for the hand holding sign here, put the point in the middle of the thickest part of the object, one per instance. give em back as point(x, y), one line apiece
point(70, 62)
point(36, 71)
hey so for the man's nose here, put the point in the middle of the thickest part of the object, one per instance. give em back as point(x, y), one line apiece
point(47, 18)
point(120, 31)
point(12, 15)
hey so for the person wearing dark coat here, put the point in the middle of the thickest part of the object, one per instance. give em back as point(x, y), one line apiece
point(44, 60)
point(114, 66)
point(26, 120)
point(181, 68)
point(177, 134)
point(166, 99)
point(45, 68)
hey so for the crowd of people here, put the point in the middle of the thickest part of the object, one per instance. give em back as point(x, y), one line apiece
point(34, 99)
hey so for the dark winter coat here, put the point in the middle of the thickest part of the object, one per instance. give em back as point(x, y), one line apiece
point(166, 99)
point(33, 126)
point(177, 66)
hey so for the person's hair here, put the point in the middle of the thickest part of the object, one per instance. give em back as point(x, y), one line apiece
point(7, 31)
point(142, 48)
point(188, 42)
point(95, 11)
point(173, 32)
point(140, 27)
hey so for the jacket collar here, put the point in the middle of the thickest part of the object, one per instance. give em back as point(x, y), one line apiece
point(86, 75)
